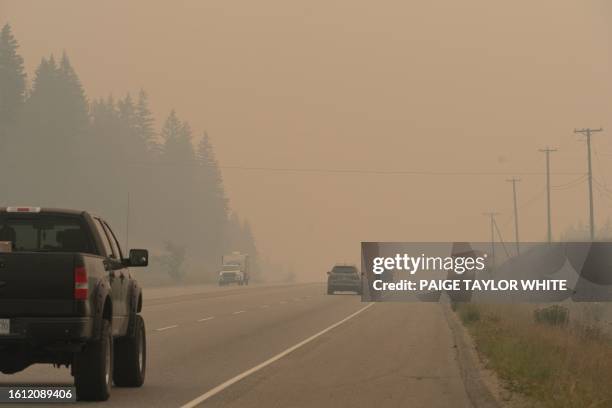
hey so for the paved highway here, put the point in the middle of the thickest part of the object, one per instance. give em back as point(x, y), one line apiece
point(287, 346)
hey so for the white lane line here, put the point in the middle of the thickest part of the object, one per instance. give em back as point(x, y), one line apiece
point(167, 327)
point(232, 381)
point(206, 319)
point(239, 311)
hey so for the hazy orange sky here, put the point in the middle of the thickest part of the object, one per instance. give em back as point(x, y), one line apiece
point(449, 86)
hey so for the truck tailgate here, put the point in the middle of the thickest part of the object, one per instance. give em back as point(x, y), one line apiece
point(36, 284)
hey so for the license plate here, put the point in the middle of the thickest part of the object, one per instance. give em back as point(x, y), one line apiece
point(5, 326)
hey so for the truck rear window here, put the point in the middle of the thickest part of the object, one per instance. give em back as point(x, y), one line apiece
point(45, 233)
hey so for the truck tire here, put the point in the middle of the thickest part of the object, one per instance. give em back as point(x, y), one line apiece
point(93, 367)
point(131, 356)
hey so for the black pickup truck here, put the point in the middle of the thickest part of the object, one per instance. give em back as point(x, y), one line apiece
point(67, 298)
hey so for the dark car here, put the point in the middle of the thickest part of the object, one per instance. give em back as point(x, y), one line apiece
point(343, 278)
point(67, 298)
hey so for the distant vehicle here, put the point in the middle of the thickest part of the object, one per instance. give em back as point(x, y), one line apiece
point(67, 298)
point(234, 269)
point(343, 278)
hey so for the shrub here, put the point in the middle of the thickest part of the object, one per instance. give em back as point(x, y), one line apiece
point(469, 313)
point(553, 315)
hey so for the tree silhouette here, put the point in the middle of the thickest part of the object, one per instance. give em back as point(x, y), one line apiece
point(12, 81)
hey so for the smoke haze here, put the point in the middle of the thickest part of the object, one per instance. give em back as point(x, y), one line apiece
point(438, 86)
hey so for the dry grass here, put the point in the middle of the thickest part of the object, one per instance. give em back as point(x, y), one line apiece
point(557, 366)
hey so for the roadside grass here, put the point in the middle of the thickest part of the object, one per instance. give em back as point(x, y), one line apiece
point(555, 365)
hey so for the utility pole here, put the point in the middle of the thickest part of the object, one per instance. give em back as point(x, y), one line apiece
point(588, 133)
point(491, 216)
point(548, 151)
point(514, 180)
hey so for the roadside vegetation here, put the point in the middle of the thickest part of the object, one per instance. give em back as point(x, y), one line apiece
point(540, 354)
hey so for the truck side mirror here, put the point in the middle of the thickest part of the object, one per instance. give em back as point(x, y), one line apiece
point(329, 272)
point(138, 257)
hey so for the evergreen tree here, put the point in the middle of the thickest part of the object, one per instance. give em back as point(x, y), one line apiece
point(105, 129)
point(12, 80)
point(176, 135)
point(209, 168)
point(144, 121)
point(57, 107)
point(212, 204)
point(53, 133)
point(102, 112)
point(127, 112)
point(74, 100)
point(43, 88)
point(170, 130)
point(135, 147)
point(40, 112)
point(176, 174)
point(101, 154)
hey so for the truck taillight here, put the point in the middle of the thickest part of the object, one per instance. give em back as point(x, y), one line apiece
point(80, 283)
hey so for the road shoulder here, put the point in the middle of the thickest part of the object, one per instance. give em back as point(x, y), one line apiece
point(481, 385)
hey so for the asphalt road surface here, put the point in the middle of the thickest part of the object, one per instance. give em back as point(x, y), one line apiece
point(286, 346)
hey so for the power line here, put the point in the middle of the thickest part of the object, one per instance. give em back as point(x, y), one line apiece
point(600, 167)
point(570, 184)
point(531, 200)
point(491, 215)
point(603, 191)
point(602, 186)
point(501, 239)
point(535, 197)
point(349, 170)
point(393, 172)
point(523, 206)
